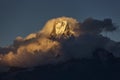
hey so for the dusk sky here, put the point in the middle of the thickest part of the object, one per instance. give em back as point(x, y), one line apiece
point(22, 17)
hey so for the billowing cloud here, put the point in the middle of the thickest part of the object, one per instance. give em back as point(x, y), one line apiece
point(60, 40)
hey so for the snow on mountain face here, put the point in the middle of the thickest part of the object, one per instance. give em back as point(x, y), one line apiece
point(62, 27)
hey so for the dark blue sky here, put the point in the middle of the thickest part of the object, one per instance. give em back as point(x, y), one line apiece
point(22, 17)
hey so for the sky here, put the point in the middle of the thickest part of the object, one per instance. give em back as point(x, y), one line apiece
point(22, 17)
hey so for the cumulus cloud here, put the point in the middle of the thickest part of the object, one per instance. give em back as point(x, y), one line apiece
point(60, 39)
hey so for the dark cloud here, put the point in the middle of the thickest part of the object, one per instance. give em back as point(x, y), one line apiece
point(95, 26)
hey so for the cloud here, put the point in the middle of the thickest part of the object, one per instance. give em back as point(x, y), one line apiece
point(60, 39)
point(94, 26)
